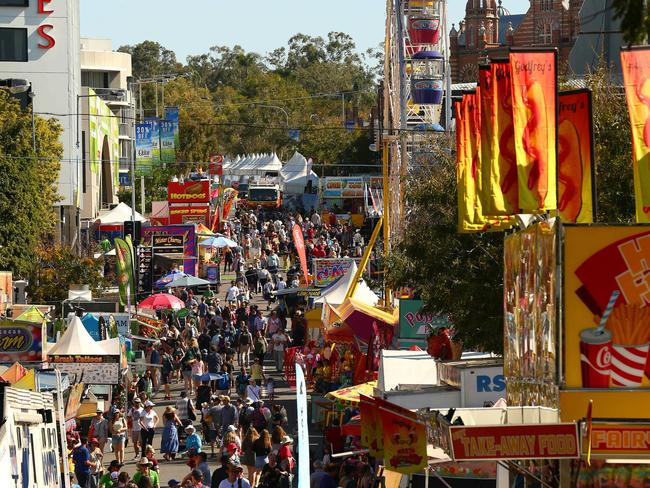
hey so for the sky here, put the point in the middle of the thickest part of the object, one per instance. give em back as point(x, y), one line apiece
point(193, 26)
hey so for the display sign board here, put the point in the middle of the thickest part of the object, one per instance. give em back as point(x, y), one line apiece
point(92, 373)
point(20, 341)
point(188, 192)
point(510, 442)
point(344, 187)
point(414, 323)
point(164, 241)
point(187, 214)
point(74, 401)
point(328, 270)
point(189, 249)
point(626, 440)
point(600, 261)
point(145, 270)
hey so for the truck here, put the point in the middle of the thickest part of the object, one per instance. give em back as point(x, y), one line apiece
point(266, 195)
point(32, 439)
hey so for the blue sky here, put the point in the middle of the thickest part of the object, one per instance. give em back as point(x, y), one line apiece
point(193, 26)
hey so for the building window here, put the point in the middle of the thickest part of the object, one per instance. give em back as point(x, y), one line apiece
point(546, 34)
point(546, 5)
point(14, 3)
point(13, 44)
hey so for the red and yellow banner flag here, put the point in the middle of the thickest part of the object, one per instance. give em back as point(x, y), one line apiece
point(498, 159)
point(534, 91)
point(635, 63)
point(371, 433)
point(470, 218)
point(575, 157)
point(405, 439)
point(299, 244)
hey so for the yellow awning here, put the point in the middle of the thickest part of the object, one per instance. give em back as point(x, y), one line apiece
point(352, 305)
point(27, 382)
point(314, 318)
point(350, 395)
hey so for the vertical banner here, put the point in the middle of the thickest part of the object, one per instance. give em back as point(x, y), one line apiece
point(299, 243)
point(229, 195)
point(534, 106)
point(575, 157)
point(404, 439)
point(635, 63)
point(498, 158)
point(167, 145)
point(370, 423)
point(171, 115)
point(143, 149)
point(466, 165)
point(303, 427)
point(124, 267)
point(155, 140)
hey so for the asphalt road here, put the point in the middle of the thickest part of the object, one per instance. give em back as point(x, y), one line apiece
point(178, 469)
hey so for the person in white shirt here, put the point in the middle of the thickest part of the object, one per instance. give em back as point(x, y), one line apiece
point(134, 415)
point(315, 219)
point(232, 294)
point(279, 340)
point(281, 285)
point(253, 391)
point(235, 478)
point(148, 421)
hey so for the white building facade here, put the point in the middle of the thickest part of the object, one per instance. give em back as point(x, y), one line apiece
point(39, 42)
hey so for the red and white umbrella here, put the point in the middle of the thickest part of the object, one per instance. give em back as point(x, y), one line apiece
point(162, 301)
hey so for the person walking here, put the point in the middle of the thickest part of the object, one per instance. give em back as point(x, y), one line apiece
point(82, 462)
point(235, 478)
point(261, 448)
point(260, 346)
point(148, 422)
point(134, 417)
point(245, 340)
point(99, 428)
point(169, 444)
point(248, 453)
point(119, 430)
point(279, 341)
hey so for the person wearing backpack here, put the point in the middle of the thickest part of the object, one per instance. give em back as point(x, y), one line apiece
point(245, 339)
point(260, 345)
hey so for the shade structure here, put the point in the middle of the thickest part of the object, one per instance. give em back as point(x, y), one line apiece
point(186, 281)
point(76, 341)
point(335, 293)
point(14, 373)
point(162, 282)
point(118, 215)
point(218, 241)
point(350, 394)
point(360, 318)
point(161, 301)
point(32, 314)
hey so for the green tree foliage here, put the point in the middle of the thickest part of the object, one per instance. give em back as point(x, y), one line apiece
point(149, 59)
point(459, 275)
point(635, 19)
point(56, 268)
point(27, 184)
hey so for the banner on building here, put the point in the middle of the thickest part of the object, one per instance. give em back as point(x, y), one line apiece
point(155, 139)
point(576, 168)
point(299, 244)
point(635, 64)
point(371, 432)
point(404, 439)
point(534, 93)
point(189, 214)
point(103, 136)
point(171, 115)
point(498, 159)
point(124, 265)
point(167, 144)
point(143, 149)
point(606, 273)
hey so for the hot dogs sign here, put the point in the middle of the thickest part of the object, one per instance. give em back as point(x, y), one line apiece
point(607, 307)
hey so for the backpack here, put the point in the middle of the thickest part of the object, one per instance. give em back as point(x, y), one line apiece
point(260, 346)
point(223, 383)
point(245, 338)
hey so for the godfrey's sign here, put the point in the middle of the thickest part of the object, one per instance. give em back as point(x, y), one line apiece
point(20, 341)
point(525, 441)
point(413, 322)
point(188, 192)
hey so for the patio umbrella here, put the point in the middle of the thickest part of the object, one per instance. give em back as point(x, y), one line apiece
point(187, 281)
point(168, 279)
point(161, 301)
point(350, 394)
point(219, 241)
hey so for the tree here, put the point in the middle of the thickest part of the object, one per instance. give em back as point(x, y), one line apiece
point(28, 184)
point(56, 268)
point(458, 275)
point(635, 19)
point(150, 58)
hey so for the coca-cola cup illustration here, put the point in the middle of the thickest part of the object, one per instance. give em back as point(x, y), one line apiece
point(628, 364)
point(595, 357)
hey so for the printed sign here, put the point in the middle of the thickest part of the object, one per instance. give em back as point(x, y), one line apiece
point(167, 148)
point(631, 440)
point(74, 401)
point(404, 439)
point(328, 270)
point(525, 441)
point(188, 192)
point(344, 187)
point(92, 373)
point(171, 115)
point(167, 241)
point(599, 262)
point(20, 341)
point(413, 322)
point(185, 214)
point(189, 249)
point(144, 149)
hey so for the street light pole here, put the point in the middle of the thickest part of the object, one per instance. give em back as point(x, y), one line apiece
point(274, 106)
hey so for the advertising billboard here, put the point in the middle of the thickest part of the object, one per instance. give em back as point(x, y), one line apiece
point(344, 187)
point(606, 314)
point(143, 149)
point(21, 341)
point(167, 148)
point(187, 214)
point(188, 192)
point(414, 323)
point(328, 270)
point(188, 235)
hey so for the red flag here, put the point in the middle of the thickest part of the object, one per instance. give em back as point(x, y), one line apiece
point(299, 242)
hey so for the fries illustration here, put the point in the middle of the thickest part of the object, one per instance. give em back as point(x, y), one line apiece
point(630, 325)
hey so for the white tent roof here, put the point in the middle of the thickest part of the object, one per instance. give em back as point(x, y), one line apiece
point(406, 368)
point(76, 340)
point(294, 174)
point(335, 295)
point(118, 215)
point(252, 164)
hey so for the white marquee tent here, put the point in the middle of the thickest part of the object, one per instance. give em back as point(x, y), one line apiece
point(335, 294)
point(77, 341)
point(252, 165)
point(118, 215)
point(294, 174)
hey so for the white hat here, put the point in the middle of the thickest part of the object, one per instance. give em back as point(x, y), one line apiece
point(190, 427)
point(149, 403)
point(286, 440)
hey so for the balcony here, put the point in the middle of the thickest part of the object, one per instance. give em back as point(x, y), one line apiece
point(125, 131)
point(114, 96)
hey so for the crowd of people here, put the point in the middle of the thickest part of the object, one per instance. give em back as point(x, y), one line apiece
point(226, 411)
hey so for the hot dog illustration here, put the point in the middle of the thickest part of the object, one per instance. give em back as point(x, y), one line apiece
point(535, 141)
point(570, 170)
